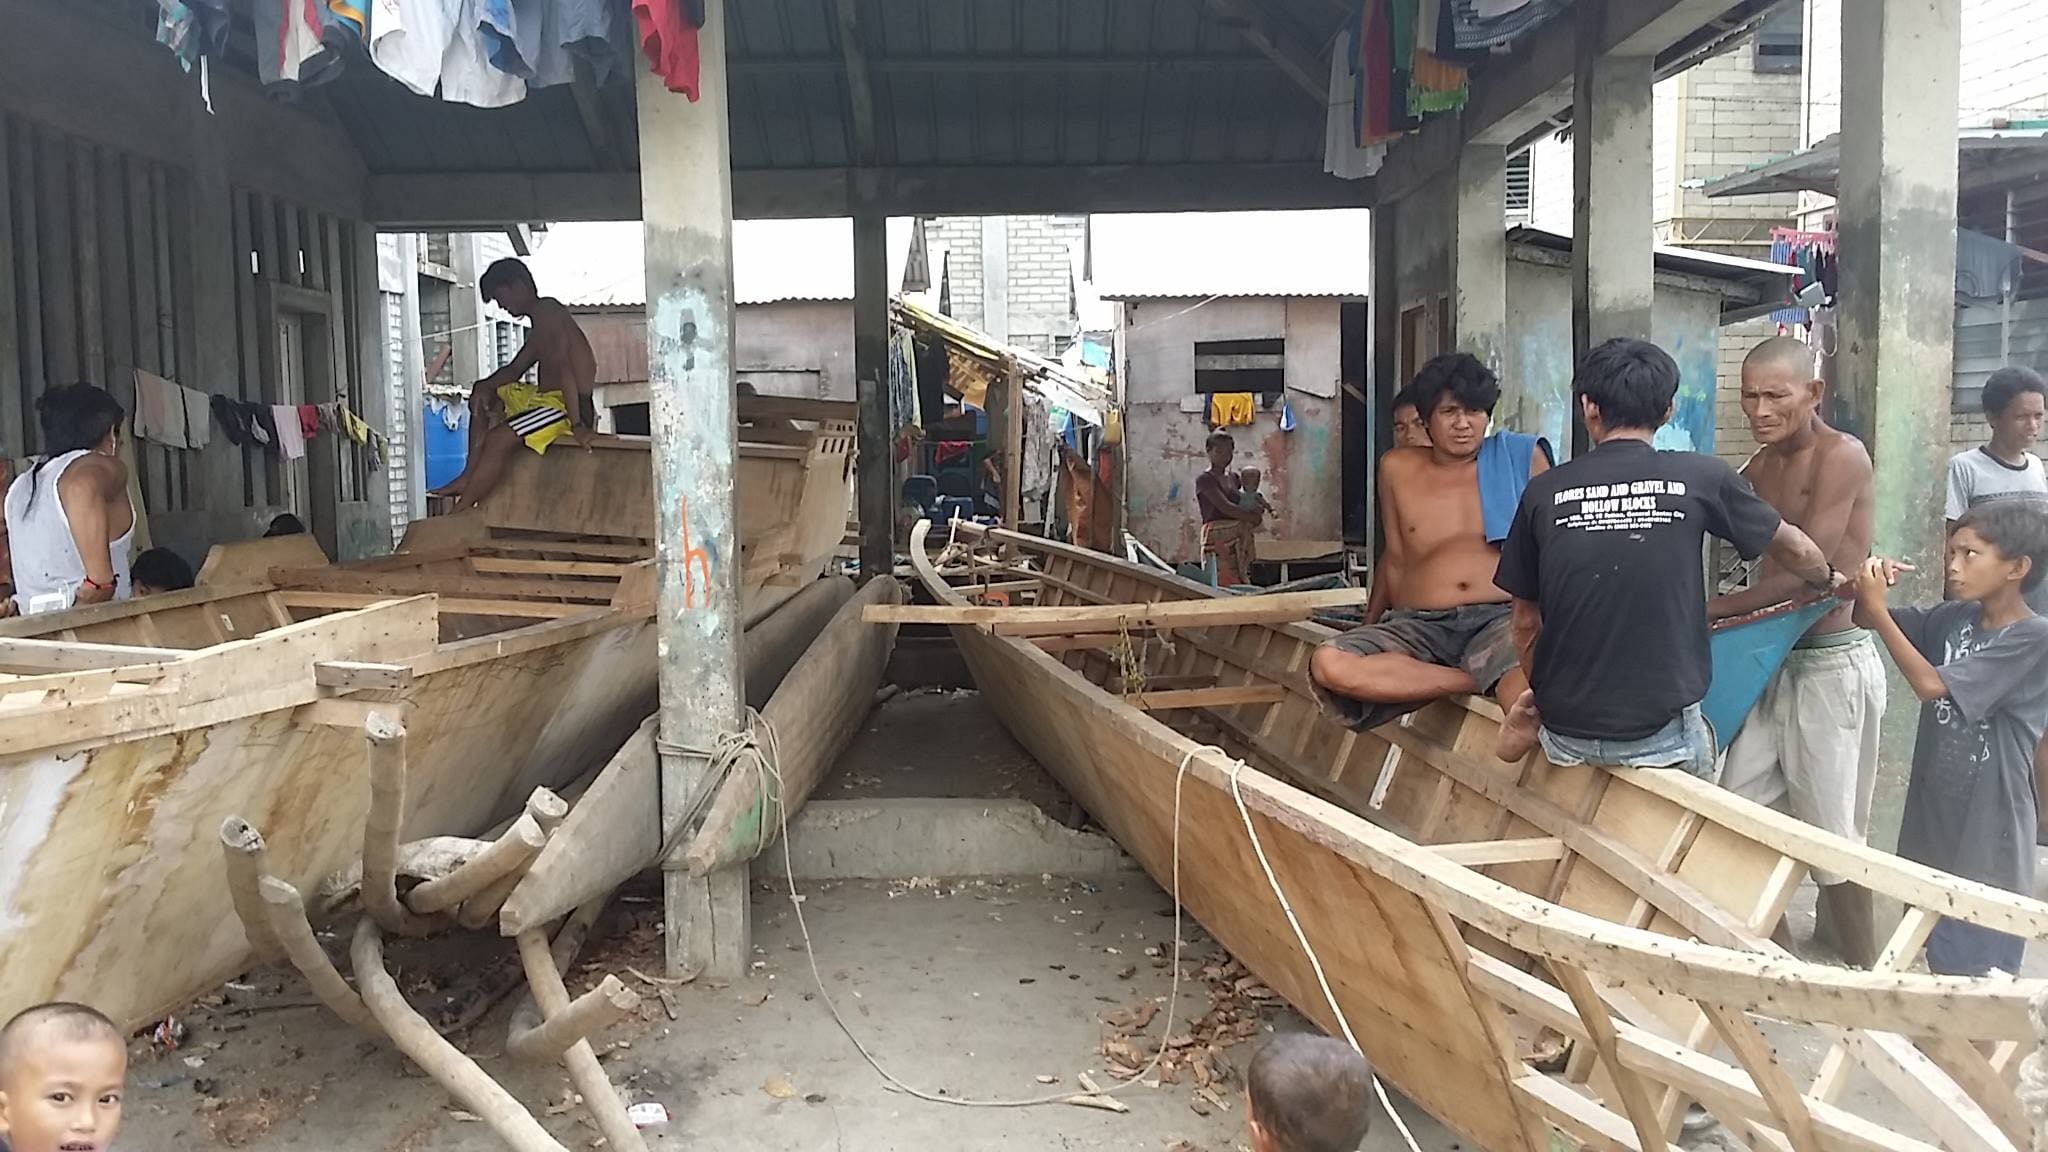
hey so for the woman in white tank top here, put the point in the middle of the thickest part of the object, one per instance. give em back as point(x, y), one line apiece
point(69, 519)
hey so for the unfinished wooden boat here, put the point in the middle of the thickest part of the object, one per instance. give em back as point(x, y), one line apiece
point(813, 712)
point(1461, 906)
point(517, 639)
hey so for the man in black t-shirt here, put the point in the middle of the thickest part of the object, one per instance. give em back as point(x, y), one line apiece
point(1603, 562)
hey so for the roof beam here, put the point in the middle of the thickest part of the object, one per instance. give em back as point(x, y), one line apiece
point(1124, 64)
point(1514, 97)
point(860, 93)
point(1263, 36)
point(490, 200)
point(590, 111)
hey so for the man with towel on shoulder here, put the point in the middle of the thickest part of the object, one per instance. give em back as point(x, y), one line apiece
point(1436, 625)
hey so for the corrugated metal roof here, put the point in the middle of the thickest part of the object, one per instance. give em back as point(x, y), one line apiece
point(596, 264)
point(1202, 254)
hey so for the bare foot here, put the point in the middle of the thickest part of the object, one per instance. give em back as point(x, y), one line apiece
point(452, 488)
point(1518, 729)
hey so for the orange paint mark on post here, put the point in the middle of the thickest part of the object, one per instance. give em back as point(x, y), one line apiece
point(695, 560)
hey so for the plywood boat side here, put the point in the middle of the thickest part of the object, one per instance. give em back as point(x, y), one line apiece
point(1627, 910)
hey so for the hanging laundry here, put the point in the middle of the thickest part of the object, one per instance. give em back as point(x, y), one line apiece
point(668, 34)
point(290, 49)
point(344, 24)
point(467, 76)
point(233, 422)
point(309, 421)
point(1435, 84)
point(175, 29)
point(198, 426)
point(1376, 94)
point(355, 427)
point(291, 440)
point(540, 40)
point(1498, 23)
point(1286, 415)
point(262, 424)
point(1987, 268)
point(1342, 155)
point(159, 410)
point(903, 404)
point(1229, 409)
point(408, 39)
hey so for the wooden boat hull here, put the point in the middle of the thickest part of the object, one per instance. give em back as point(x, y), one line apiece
point(1627, 910)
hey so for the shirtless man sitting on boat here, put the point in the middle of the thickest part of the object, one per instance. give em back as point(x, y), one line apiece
point(504, 411)
point(1436, 625)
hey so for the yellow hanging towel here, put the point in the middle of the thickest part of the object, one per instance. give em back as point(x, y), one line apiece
point(1227, 409)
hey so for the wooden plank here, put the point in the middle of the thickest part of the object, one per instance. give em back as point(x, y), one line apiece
point(85, 204)
point(59, 286)
point(1754, 1053)
point(73, 656)
point(1583, 1120)
point(760, 409)
point(1974, 1074)
point(22, 150)
point(1064, 619)
point(449, 606)
point(351, 675)
point(511, 545)
point(1206, 697)
point(12, 443)
point(1898, 954)
point(1482, 853)
point(342, 713)
point(414, 584)
point(487, 564)
point(1635, 1099)
point(1091, 642)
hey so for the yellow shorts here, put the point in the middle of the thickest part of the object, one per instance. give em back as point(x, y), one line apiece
point(539, 418)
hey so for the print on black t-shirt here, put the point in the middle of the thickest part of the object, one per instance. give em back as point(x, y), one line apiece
point(1608, 546)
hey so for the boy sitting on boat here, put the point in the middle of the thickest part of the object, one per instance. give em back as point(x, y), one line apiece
point(62, 1071)
point(504, 410)
point(1979, 664)
point(1603, 563)
point(1436, 626)
point(1307, 1093)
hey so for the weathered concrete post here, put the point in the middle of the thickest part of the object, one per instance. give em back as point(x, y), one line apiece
point(686, 198)
point(1479, 255)
point(877, 468)
point(1900, 86)
point(1612, 190)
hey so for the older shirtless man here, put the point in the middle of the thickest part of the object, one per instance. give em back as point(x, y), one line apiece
point(1810, 744)
point(1436, 625)
point(504, 412)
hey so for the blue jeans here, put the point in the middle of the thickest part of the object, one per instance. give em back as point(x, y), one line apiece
point(1687, 742)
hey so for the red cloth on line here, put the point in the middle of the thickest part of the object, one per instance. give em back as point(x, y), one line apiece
point(670, 41)
point(309, 420)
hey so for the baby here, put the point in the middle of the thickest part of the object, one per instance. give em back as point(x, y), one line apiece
point(62, 1070)
point(1248, 494)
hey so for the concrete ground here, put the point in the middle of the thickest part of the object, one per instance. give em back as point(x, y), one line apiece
point(970, 989)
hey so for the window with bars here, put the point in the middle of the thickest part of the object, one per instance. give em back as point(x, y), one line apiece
point(1780, 42)
point(1519, 197)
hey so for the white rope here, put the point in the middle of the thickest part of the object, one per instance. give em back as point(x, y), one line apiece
point(768, 765)
point(1236, 766)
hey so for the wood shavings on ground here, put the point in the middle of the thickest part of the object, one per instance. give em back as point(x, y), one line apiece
point(1237, 1004)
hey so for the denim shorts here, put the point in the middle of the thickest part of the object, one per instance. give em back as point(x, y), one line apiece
point(1687, 742)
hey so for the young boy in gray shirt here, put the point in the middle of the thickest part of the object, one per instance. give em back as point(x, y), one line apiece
point(1979, 663)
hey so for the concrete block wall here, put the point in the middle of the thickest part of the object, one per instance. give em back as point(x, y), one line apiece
point(1726, 117)
point(1038, 257)
point(2005, 64)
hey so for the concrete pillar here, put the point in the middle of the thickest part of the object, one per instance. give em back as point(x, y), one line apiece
point(1897, 222)
point(1479, 255)
point(686, 181)
point(1385, 356)
point(1612, 190)
point(877, 468)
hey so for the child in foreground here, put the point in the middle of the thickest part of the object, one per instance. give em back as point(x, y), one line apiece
point(1307, 1093)
point(62, 1070)
point(1979, 663)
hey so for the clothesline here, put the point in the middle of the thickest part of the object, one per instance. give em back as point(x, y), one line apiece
point(174, 416)
point(489, 54)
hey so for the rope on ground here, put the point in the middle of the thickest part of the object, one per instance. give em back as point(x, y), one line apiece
point(1235, 766)
point(768, 765)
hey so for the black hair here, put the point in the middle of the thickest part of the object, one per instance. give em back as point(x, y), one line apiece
point(510, 270)
point(73, 417)
point(2017, 527)
point(81, 1021)
point(1458, 375)
point(1219, 436)
point(284, 524)
point(2002, 387)
point(1310, 1093)
point(1632, 382)
point(1405, 396)
point(162, 569)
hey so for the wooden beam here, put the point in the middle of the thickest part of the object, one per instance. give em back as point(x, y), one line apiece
point(496, 199)
point(1077, 618)
point(78, 656)
point(1219, 697)
point(352, 675)
point(1481, 853)
point(1260, 34)
point(860, 95)
point(590, 110)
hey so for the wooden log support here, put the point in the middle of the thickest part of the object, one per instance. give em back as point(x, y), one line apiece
point(471, 1086)
point(481, 910)
point(508, 855)
point(594, 1011)
point(385, 740)
point(285, 914)
point(1635, 1099)
point(544, 979)
point(242, 846)
point(420, 860)
point(1070, 619)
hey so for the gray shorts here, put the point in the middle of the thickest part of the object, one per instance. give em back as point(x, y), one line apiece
point(1474, 637)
